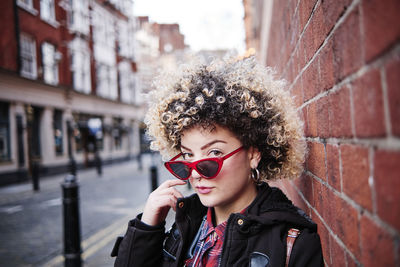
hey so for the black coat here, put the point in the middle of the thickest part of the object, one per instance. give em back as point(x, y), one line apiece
point(255, 238)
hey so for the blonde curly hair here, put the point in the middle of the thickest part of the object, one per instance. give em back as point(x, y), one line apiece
point(242, 96)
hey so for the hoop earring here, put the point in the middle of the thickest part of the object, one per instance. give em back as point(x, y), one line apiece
point(255, 176)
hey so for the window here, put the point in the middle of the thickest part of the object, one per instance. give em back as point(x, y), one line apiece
point(78, 16)
point(80, 65)
point(58, 131)
point(4, 132)
point(28, 57)
point(106, 80)
point(47, 11)
point(50, 58)
point(126, 82)
point(104, 52)
point(126, 39)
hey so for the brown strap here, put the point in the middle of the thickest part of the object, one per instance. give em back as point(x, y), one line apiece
point(291, 237)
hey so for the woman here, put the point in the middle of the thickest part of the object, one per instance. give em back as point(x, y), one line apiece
point(229, 127)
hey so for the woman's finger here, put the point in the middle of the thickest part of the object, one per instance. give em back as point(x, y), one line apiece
point(170, 183)
point(172, 191)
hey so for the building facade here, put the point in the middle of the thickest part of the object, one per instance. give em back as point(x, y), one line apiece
point(68, 85)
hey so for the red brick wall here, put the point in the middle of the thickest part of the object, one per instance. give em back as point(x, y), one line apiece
point(8, 42)
point(342, 61)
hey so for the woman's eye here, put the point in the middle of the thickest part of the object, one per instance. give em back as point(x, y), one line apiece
point(186, 155)
point(216, 153)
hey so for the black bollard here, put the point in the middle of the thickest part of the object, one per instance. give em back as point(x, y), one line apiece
point(35, 175)
point(98, 164)
point(72, 232)
point(153, 177)
point(72, 166)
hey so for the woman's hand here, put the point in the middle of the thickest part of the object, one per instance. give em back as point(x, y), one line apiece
point(160, 201)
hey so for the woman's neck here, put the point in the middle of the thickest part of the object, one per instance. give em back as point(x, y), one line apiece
point(222, 213)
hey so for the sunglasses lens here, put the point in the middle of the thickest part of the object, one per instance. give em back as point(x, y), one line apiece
point(180, 169)
point(208, 168)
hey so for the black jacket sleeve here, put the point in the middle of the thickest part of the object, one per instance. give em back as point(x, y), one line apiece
point(141, 246)
point(307, 250)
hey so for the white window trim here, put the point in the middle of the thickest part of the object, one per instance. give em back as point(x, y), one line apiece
point(33, 74)
point(51, 21)
point(28, 8)
point(83, 13)
point(53, 66)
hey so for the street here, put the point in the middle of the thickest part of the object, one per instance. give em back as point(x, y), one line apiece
point(31, 225)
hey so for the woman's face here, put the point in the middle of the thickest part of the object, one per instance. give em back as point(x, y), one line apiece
point(232, 189)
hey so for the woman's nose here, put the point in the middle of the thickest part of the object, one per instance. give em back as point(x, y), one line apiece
point(195, 174)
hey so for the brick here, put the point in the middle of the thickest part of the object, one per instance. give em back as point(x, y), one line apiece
point(355, 174)
point(344, 222)
point(338, 255)
point(301, 53)
point(326, 69)
point(376, 243)
point(295, 59)
point(311, 82)
point(351, 262)
point(309, 42)
point(347, 46)
point(381, 26)
point(324, 236)
point(332, 11)
point(368, 105)
point(387, 184)
point(393, 84)
point(323, 117)
point(322, 198)
point(297, 92)
point(333, 168)
point(306, 7)
point(339, 113)
point(304, 184)
point(319, 30)
point(311, 130)
point(316, 159)
point(295, 33)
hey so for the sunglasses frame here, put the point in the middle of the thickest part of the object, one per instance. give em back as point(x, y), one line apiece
point(193, 165)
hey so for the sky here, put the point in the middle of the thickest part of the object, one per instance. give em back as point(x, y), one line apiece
point(206, 24)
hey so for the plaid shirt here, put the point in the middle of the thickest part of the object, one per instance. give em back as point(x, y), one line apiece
point(209, 246)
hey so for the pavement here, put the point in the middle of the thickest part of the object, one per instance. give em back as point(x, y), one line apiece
point(31, 232)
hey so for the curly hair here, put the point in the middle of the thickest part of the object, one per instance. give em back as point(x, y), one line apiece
point(242, 96)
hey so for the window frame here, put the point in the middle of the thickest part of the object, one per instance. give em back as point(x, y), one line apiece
point(29, 42)
point(52, 65)
point(51, 17)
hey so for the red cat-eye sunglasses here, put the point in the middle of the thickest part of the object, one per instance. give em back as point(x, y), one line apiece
point(207, 168)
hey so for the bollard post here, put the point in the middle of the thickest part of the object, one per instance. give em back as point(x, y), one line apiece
point(72, 166)
point(35, 175)
point(72, 163)
point(153, 178)
point(98, 164)
point(72, 233)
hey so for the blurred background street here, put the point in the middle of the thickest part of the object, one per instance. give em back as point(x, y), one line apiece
point(75, 75)
point(31, 232)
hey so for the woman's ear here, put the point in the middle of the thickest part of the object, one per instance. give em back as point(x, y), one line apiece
point(254, 157)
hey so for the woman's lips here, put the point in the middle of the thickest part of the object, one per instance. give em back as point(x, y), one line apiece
point(203, 189)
